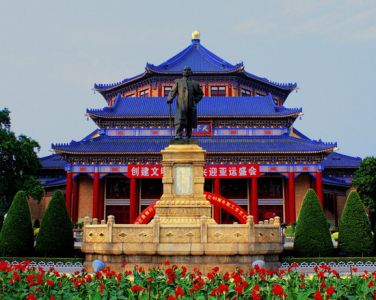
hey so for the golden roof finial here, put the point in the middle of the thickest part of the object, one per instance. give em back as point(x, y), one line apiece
point(195, 35)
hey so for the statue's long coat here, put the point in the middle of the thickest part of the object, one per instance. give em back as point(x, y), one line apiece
point(189, 94)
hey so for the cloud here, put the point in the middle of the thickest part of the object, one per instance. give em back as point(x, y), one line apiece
point(367, 34)
point(254, 26)
point(346, 21)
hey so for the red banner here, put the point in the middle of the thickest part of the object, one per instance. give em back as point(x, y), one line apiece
point(232, 171)
point(215, 171)
point(145, 171)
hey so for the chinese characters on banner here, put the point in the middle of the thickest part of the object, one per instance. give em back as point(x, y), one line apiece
point(215, 171)
point(232, 171)
point(145, 171)
point(203, 129)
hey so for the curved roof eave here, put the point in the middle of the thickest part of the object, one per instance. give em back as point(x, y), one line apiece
point(295, 114)
point(328, 150)
point(285, 86)
point(103, 87)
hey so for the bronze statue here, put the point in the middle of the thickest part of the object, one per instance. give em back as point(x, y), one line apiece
point(189, 94)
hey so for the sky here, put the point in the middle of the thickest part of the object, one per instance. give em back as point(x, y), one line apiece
point(52, 53)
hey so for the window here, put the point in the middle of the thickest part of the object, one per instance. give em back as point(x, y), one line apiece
point(144, 93)
point(234, 188)
point(218, 91)
point(245, 92)
point(270, 188)
point(151, 189)
point(208, 186)
point(129, 95)
point(260, 94)
point(166, 90)
point(117, 188)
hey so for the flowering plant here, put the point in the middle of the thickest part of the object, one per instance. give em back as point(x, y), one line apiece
point(172, 282)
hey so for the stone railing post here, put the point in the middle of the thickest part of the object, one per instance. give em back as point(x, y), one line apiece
point(86, 222)
point(251, 229)
point(110, 224)
point(204, 229)
point(156, 226)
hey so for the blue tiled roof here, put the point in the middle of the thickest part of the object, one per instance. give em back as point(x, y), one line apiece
point(202, 61)
point(300, 134)
point(54, 181)
point(335, 181)
point(53, 161)
point(207, 107)
point(91, 135)
point(265, 144)
point(338, 160)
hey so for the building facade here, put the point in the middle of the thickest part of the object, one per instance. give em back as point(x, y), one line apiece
point(255, 155)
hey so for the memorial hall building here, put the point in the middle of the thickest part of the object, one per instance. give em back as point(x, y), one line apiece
point(255, 156)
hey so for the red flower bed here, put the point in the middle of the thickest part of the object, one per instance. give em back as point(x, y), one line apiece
point(172, 282)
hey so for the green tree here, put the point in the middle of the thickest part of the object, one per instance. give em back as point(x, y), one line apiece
point(55, 238)
point(19, 165)
point(16, 236)
point(355, 233)
point(364, 180)
point(312, 237)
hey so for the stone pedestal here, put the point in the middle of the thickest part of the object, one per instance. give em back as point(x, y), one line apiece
point(182, 230)
point(183, 199)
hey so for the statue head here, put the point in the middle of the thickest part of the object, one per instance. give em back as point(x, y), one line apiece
point(187, 71)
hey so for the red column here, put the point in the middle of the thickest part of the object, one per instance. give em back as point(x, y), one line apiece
point(101, 200)
point(68, 193)
point(75, 200)
point(217, 190)
point(206, 92)
point(292, 215)
point(286, 220)
point(319, 187)
point(95, 194)
point(229, 88)
point(159, 91)
point(133, 201)
point(151, 91)
point(254, 199)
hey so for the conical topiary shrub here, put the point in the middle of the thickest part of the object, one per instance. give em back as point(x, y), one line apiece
point(355, 233)
point(55, 238)
point(312, 237)
point(16, 237)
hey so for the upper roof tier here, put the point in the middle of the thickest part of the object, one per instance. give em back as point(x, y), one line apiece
point(240, 106)
point(202, 61)
point(243, 145)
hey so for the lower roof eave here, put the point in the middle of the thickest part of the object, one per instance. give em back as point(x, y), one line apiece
point(297, 114)
point(326, 151)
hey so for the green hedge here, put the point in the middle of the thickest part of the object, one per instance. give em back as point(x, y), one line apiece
point(16, 236)
point(55, 236)
point(355, 233)
point(312, 237)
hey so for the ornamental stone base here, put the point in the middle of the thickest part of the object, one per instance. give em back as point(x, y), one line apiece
point(182, 230)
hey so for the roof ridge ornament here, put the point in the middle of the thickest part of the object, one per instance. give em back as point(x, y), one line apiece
point(195, 36)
